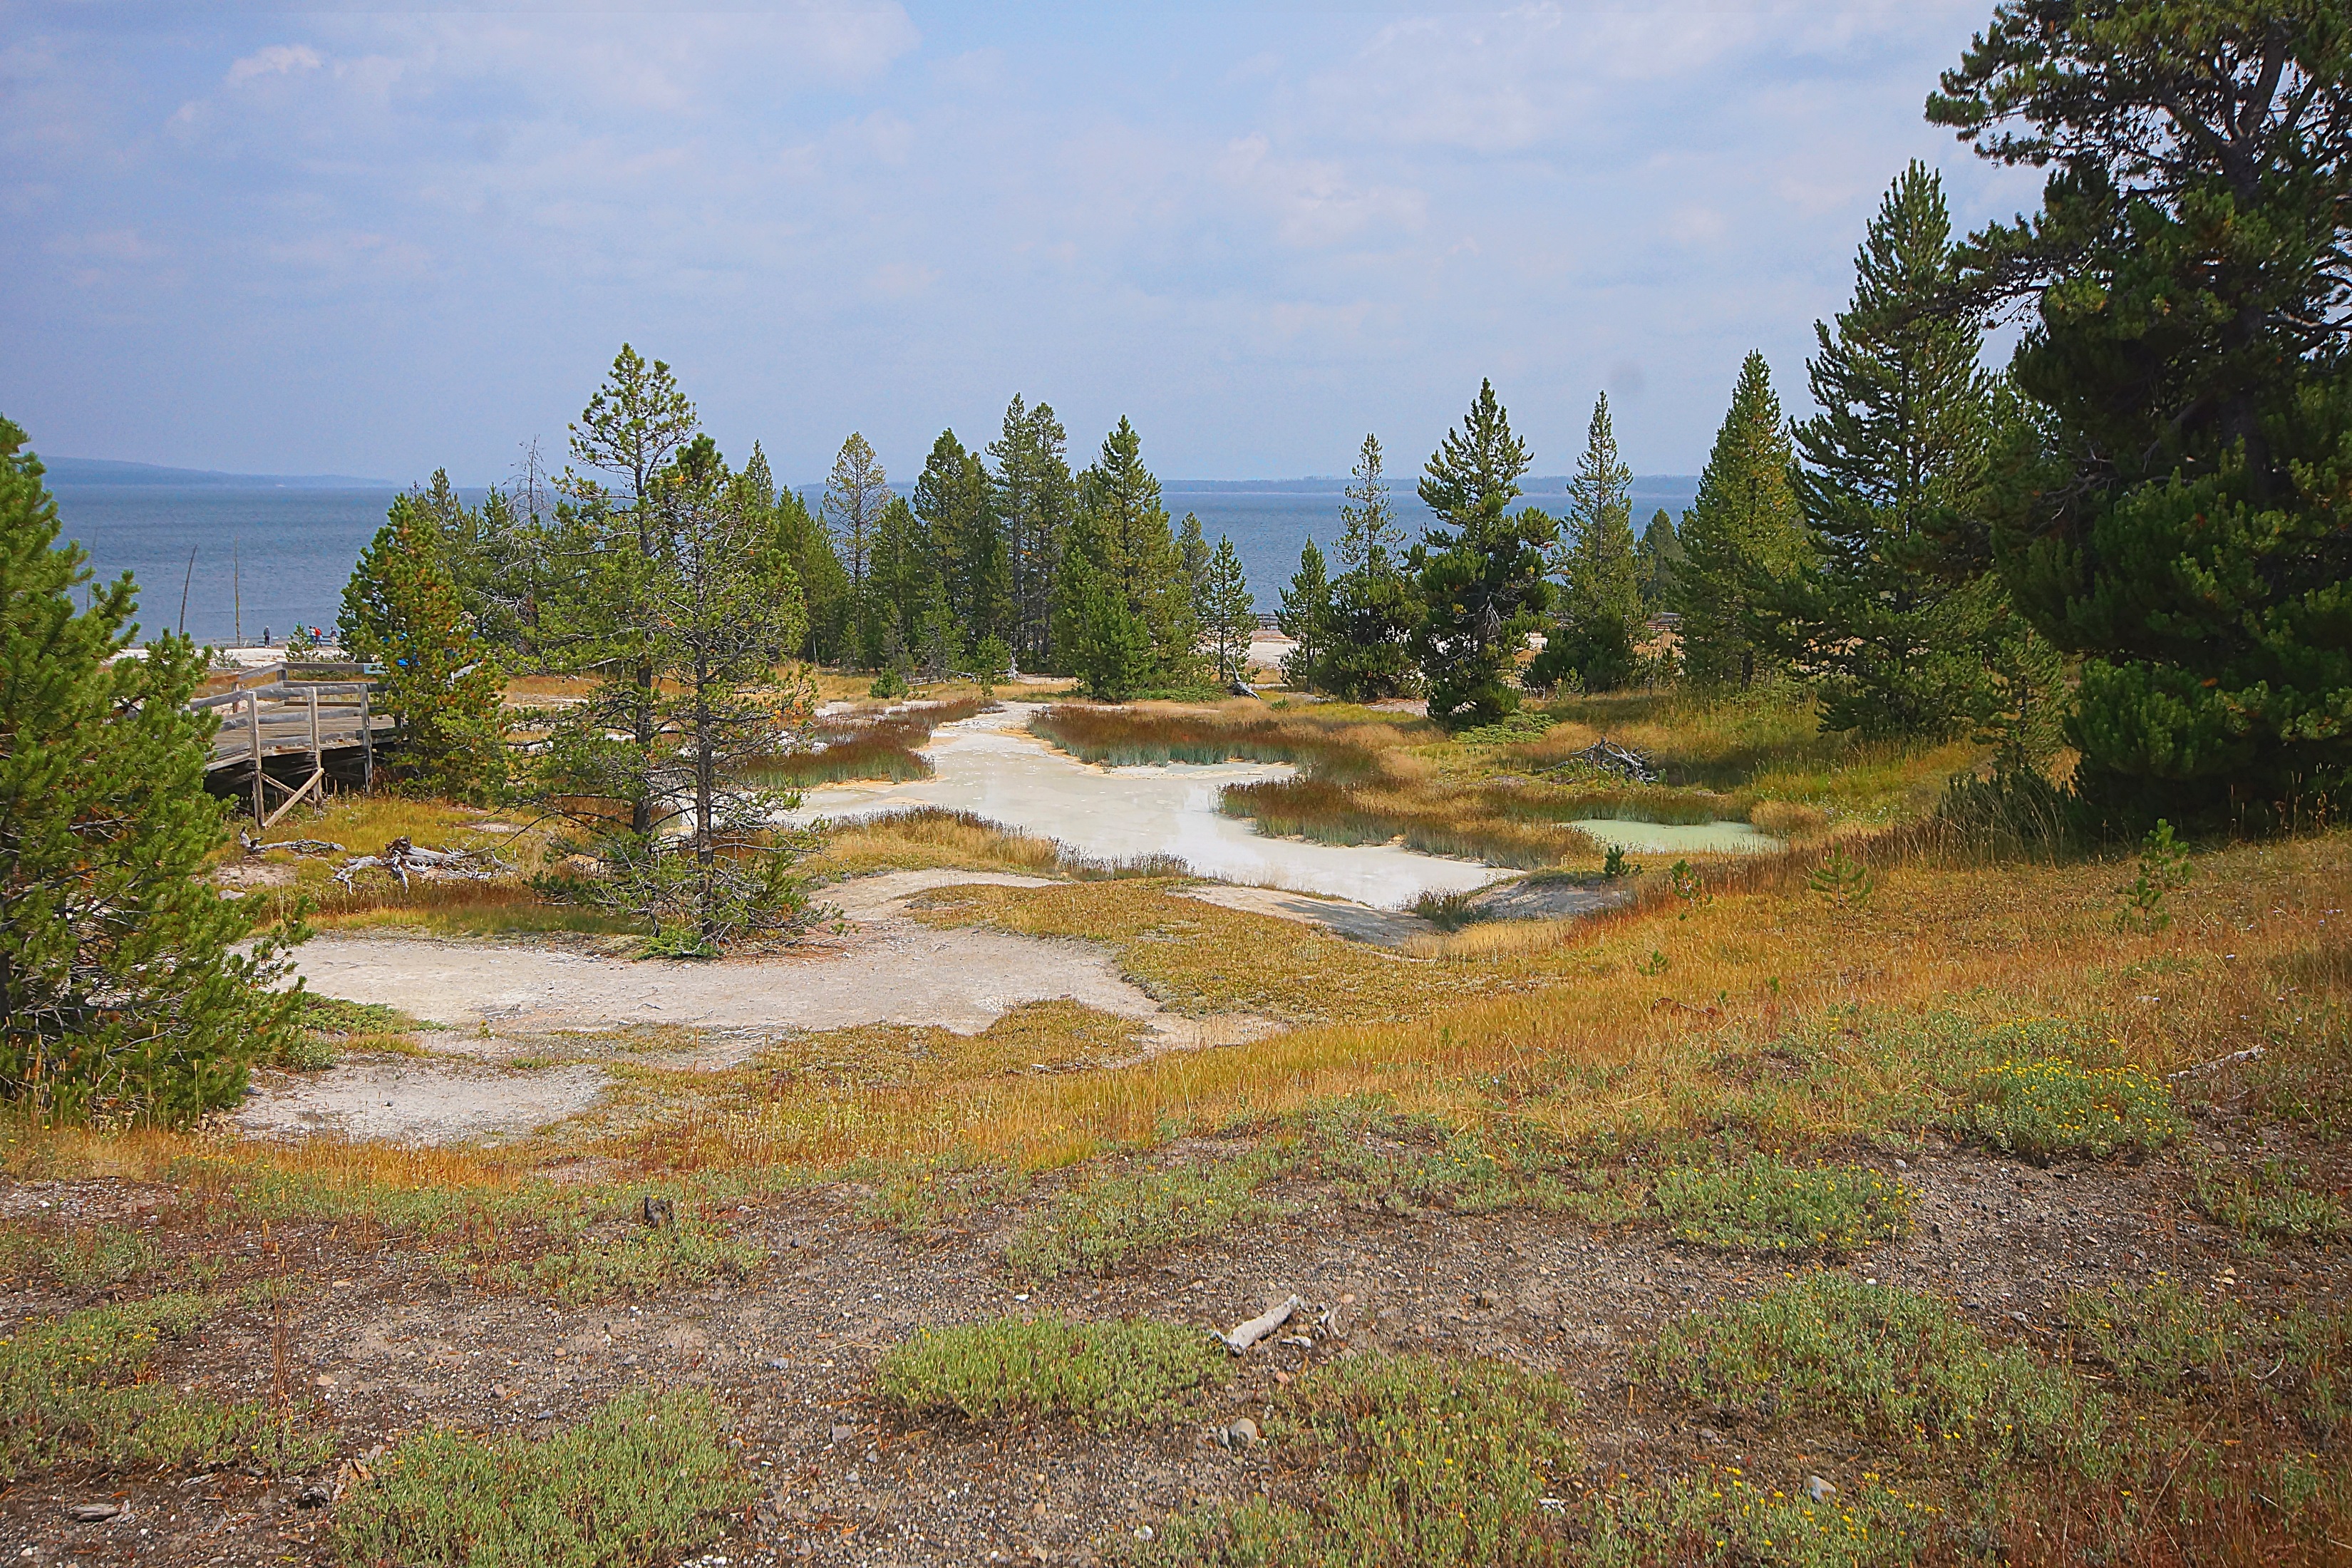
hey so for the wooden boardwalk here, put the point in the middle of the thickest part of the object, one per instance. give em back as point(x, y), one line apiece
point(287, 732)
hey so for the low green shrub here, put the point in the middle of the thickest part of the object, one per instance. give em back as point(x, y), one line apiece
point(2271, 1200)
point(643, 1262)
point(81, 1389)
point(643, 1479)
point(1094, 1227)
point(1870, 1523)
point(1099, 1373)
point(2050, 1107)
point(2164, 1338)
point(1890, 1365)
point(82, 1259)
point(1414, 1460)
point(1764, 1204)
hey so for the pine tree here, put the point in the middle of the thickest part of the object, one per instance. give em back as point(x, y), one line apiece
point(1229, 612)
point(712, 871)
point(900, 575)
point(1035, 498)
point(1304, 618)
point(1898, 634)
point(1121, 531)
point(797, 536)
point(608, 542)
point(1599, 620)
point(1193, 556)
point(128, 989)
point(1480, 574)
point(400, 611)
point(854, 494)
point(956, 501)
point(1661, 557)
point(2178, 518)
point(1106, 642)
point(1366, 635)
point(1744, 524)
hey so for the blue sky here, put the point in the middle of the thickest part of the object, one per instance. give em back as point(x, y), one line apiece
point(375, 242)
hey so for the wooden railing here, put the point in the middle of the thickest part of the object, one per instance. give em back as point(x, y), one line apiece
point(269, 714)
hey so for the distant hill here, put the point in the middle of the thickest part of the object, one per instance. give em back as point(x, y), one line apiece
point(105, 471)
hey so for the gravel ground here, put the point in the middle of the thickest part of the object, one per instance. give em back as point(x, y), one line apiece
point(381, 1339)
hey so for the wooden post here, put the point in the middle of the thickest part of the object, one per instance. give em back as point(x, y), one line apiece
point(253, 712)
point(318, 758)
point(367, 743)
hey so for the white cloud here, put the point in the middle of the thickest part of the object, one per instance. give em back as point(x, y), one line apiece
point(1313, 200)
point(278, 60)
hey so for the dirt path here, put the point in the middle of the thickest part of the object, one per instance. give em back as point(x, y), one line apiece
point(563, 1007)
point(891, 969)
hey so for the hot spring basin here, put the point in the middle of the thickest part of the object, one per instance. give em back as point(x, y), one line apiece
point(991, 766)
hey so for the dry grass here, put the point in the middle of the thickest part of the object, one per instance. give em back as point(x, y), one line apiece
point(879, 743)
point(1335, 743)
point(933, 835)
point(1622, 1027)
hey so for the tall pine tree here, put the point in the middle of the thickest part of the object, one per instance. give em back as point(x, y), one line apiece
point(1365, 638)
point(128, 989)
point(1897, 631)
point(2178, 518)
point(1745, 523)
point(1035, 500)
point(1121, 531)
point(1480, 572)
point(1599, 620)
point(855, 491)
point(400, 611)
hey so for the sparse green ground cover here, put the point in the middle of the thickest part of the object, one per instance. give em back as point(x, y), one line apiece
point(1097, 1373)
point(80, 1390)
point(640, 1481)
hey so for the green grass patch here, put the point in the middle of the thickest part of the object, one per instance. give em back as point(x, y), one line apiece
point(1098, 1373)
point(2168, 1339)
point(1727, 1516)
point(1764, 1204)
point(641, 1481)
point(1403, 1459)
point(2050, 1107)
point(642, 1262)
point(83, 1258)
point(2265, 1201)
point(1893, 1366)
point(82, 1390)
point(1095, 1227)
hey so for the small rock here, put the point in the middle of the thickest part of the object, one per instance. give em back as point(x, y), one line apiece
point(1143, 1533)
point(843, 1431)
point(1818, 1489)
point(94, 1512)
point(778, 1365)
point(1244, 1431)
point(1489, 1300)
point(314, 1496)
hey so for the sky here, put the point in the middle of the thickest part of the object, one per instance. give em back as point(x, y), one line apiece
point(378, 242)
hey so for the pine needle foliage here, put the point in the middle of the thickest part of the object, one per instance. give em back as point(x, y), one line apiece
point(125, 993)
point(440, 681)
point(1743, 525)
point(1480, 572)
point(2177, 519)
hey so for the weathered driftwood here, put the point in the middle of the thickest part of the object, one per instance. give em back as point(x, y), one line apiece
point(404, 859)
point(1241, 1336)
point(1605, 755)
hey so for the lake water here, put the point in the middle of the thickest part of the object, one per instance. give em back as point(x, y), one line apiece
point(991, 766)
point(276, 558)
